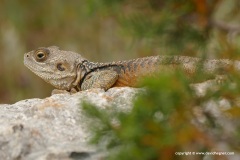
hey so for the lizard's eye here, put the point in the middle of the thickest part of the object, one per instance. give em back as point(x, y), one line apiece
point(41, 55)
point(60, 67)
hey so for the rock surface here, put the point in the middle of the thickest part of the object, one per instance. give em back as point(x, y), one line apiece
point(56, 128)
point(53, 128)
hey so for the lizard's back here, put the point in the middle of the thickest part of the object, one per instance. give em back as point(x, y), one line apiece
point(132, 70)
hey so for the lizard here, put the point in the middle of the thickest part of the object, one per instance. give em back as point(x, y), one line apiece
point(67, 70)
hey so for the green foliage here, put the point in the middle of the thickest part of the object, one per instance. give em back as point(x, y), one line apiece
point(161, 121)
point(166, 20)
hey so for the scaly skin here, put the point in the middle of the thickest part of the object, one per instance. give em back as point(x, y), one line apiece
point(67, 70)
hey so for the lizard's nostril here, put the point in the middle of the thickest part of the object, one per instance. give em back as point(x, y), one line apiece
point(27, 55)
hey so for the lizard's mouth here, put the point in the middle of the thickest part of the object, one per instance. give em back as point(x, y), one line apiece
point(28, 63)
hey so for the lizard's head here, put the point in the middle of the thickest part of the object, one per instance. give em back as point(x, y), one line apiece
point(55, 66)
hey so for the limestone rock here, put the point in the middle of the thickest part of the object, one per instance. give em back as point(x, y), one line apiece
point(54, 128)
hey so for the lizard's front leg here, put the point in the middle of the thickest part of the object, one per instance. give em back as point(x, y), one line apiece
point(100, 79)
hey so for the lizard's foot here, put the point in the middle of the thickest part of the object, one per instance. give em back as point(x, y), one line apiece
point(95, 90)
point(58, 91)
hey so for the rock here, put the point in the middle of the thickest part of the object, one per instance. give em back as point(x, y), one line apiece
point(54, 128)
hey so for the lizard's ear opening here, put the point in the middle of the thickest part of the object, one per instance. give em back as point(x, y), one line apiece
point(61, 67)
point(41, 54)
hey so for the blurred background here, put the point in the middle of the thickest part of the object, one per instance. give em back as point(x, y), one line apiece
point(107, 30)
